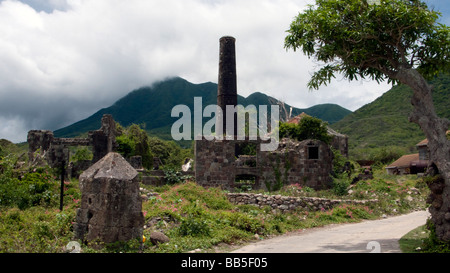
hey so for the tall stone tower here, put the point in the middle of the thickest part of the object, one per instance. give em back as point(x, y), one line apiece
point(227, 84)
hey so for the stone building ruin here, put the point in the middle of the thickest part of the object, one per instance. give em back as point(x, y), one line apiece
point(221, 163)
point(44, 146)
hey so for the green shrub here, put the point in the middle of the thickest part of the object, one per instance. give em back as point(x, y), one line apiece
point(432, 244)
point(174, 176)
point(308, 128)
point(212, 198)
point(39, 188)
point(125, 145)
point(32, 189)
point(35, 230)
point(246, 222)
point(82, 154)
point(194, 226)
point(340, 186)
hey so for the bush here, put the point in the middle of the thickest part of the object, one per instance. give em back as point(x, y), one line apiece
point(194, 226)
point(432, 244)
point(125, 146)
point(340, 186)
point(246, 222)
point(173, 176)
point(35, 230)
point(32, 189)
point(212, 198)
point(82, 154)
point(380, 155)
point(134, 141)
point(307, 128)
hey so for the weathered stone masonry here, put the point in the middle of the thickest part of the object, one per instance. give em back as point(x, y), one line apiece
point(217, 165)
point(111, 205)
point(55, 150)
point(287, 203)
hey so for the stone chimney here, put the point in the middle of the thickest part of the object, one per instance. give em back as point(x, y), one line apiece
point(227, 84)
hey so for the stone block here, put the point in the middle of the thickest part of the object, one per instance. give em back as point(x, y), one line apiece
point(111, 205)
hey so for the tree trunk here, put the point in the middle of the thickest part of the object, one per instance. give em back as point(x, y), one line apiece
point(435, 128)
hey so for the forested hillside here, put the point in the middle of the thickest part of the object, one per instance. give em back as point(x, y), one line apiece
point(384, 122)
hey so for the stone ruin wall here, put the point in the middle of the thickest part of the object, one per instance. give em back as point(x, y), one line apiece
point(55, 150)
point(288, 203)
point(340, 143)
point(216, 164)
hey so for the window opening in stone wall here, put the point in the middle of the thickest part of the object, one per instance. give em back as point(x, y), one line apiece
point(245, 148)
point(245, 182)
point(313, 152)
point(245, 154)
point(81, 153)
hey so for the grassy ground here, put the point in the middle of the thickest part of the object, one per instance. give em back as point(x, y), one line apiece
point(414, 240)
point(199, 219)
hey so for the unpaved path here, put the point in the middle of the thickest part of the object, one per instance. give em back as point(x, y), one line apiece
point(357, 237)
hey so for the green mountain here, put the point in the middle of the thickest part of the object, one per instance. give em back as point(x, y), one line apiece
point(384, 122)
point(152, 106)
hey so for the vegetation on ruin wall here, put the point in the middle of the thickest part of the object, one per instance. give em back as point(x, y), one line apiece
point(307, 128)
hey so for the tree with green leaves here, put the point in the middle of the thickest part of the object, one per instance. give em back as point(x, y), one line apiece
point(395, 40)
point(134, 140)
point(307, 128)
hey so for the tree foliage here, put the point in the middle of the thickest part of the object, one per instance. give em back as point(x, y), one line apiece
point(133, 140)
point(370, 40)
point(307, 128)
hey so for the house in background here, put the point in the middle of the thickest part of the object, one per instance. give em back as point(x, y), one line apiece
point(407, 164)
point(412, 163)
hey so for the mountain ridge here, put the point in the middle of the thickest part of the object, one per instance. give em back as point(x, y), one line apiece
point(151, 105)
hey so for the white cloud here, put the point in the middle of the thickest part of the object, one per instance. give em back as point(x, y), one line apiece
point(62, 60)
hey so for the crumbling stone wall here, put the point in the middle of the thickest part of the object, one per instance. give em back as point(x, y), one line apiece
point(308, 163)
point(103, 141)
point(288, 203)
point(214, 163)
point(111, 205)
point(217, 165)
point(339, 142)
point(39, 139)
point(55, 150)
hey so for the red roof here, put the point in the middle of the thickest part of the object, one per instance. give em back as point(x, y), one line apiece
point(423, 142)
point(404, 161)
point(297, 119)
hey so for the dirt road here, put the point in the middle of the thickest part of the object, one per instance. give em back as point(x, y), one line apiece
point(368, 236)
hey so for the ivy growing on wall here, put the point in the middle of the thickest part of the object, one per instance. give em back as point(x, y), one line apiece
point(280, 173)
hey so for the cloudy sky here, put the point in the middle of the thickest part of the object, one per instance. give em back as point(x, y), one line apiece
point(62, 60)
